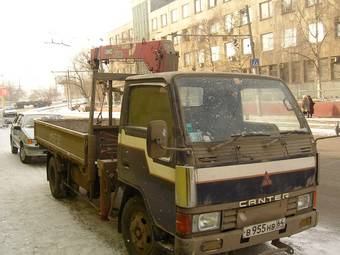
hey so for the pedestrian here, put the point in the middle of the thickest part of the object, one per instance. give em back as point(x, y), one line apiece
point(304, 104)
point(310, 107)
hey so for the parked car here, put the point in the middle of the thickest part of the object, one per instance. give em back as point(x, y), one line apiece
point(9, 114)
point(2, 123)
point(22, 136)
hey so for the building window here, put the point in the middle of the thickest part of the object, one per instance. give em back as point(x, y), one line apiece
point(335, 68)
point(198, 6)
point(154, 24)
point(230, 49)
point(200, 57)
point(164, 20)
point(212, 3)
point(337, 28)
point(246, 46)
point(244, 16)
point(325, 69)
point(266, 9)
point(311, 2)
point(174, 15)
point(118, 39)
point(287, 6)
point(185, 10)
point(316, 32)
point(267, 42)
point(214, 27)
point(289, 37)
point(175, 39)
point(296, 72)
point(215, 53)
point(309, 71)
point(187, 59)
point(229, 23)
point(185, 36)
point(273, 70)
point(284, 72)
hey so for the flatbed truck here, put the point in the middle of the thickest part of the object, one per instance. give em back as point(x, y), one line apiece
point(198, 163)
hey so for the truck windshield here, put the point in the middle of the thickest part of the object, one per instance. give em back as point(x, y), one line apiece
point(214, 109)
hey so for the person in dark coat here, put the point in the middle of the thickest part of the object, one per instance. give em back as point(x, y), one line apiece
point(304, 105)
point(310, 107)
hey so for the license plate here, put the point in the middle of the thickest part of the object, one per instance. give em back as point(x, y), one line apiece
point(262, 228)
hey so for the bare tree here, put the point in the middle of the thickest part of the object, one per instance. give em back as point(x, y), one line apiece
point(14, 93)
point(80, 77)
point(49, 94)
point(313, 29)
point(215, 33)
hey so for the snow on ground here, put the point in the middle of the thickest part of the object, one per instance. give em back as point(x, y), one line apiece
point(319, 241)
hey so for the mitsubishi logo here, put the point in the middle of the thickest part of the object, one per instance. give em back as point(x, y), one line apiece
point(266, 180)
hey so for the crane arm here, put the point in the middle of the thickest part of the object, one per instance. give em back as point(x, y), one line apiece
point(159, 56)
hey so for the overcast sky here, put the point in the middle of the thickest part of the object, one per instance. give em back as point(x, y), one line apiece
point(26, 26)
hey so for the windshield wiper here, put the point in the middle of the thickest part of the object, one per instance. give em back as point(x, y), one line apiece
point(236, 136)
point(297, 131)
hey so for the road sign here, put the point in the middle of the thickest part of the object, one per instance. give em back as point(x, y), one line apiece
point(255, 62)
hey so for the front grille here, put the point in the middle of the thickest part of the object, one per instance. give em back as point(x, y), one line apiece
point(229, 219)
point(253, 149)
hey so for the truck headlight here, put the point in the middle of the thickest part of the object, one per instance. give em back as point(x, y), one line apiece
point(206, 221)
point(304, 202)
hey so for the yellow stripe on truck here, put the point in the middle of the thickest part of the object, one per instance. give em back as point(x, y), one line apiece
point(156, 169)
point(181, 187)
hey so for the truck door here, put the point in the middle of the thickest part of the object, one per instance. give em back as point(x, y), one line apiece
point(153, 178)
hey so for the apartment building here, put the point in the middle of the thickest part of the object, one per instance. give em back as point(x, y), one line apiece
point(123, 34)
point(296, 40)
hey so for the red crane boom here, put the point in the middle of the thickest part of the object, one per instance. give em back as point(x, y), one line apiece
point(159, 56)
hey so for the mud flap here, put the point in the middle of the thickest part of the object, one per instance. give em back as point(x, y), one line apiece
point(282, 247)
point(107, 176)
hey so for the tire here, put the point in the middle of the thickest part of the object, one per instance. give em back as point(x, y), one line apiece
point(22, 154)
point(137, 228)
point(55, 179)
point(14, 149)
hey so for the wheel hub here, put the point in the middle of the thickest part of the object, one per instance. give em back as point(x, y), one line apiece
point(141, 235)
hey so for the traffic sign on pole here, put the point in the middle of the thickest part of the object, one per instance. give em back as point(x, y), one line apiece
point(255, 62)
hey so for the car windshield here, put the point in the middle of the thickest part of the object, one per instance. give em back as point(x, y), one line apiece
point(214, 109)
point(28, 121)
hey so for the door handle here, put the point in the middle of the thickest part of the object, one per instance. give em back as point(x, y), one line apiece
point(126, 166)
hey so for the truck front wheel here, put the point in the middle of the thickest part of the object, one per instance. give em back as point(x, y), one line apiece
point(55, 179)
point(137, 228)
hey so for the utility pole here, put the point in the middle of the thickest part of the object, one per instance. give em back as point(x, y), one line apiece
point(252, 44)
point(69, 94)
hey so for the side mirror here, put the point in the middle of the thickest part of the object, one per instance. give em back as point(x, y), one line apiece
point(157, 139)
point(17, 128)
point(337, 134)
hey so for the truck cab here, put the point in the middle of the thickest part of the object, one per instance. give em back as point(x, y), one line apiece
point(219, 161)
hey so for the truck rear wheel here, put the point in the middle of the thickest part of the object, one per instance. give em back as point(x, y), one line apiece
point(137, 228)
point(55, 179)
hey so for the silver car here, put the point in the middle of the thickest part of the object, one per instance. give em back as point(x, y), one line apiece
point(22, 136)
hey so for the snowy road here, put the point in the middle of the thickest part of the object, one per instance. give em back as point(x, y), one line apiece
point(32, 222)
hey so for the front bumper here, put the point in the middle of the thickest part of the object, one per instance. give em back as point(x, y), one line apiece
point(232, 240)
point(35, 151)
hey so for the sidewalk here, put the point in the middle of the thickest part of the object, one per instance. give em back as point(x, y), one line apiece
point(323, 126)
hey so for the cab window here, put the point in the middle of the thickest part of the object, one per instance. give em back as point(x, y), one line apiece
point(148, 103)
